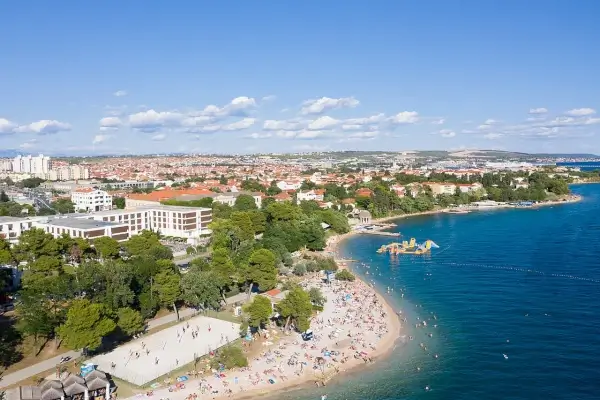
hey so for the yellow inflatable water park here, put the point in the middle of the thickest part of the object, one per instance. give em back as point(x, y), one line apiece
point(408, 247)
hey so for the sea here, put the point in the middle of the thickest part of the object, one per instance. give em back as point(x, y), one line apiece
point(583, 166)
point(511, 299)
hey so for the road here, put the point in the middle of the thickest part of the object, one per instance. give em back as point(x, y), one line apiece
point(51, 363)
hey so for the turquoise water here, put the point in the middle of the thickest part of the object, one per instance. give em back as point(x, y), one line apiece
point(525, 283)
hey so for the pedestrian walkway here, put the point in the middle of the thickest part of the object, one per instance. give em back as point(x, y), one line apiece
point(51, 363)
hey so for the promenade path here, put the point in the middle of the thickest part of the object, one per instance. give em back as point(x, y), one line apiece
point(51, 363)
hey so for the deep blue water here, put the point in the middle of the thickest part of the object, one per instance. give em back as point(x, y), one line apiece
point(584, 166)
point(524, 282)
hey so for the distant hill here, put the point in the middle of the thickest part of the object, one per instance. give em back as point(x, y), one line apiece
point(9, 153)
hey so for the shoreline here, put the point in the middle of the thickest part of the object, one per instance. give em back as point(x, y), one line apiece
point(375, 329)
point(335, 240)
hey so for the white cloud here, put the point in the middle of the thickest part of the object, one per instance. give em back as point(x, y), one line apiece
point(237, 107)
point(325, 122)
point(44, 127)
point(274, 125)
point(151, 120)
point(540, 110)
point(239, 125)
point(492, 136)
point(270, 97)
point(110, 123)
point(581, 112)
point(159, 137)
point(591, 121)
point(447, 133)
point(438, 121)
point(490, 121)
point(120, 93)
point(405, 117)
point(7, 127)
point(195, 121)
point(101, 138)
point(318, 106)
point(301, 134)
point(257, 135)
point(484, 126)
point(363, 135)
point(373, 119)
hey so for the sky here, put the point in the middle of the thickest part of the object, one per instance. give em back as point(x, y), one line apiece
point(149, 77)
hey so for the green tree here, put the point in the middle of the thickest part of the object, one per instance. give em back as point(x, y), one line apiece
point(230, 357)
point(4, 197)
point(262, 269)
point(6, 256)
point(244, 202)
point(259, 312)
point(345, 275)
point(142, 243)
point(63, 206)
point(313, 235)
point(283, 212)
point(199, 289)
point(107, 247)
point(119, 202)
point(223, 268)
point(130, 321)
point(296, 307)
point(34, 316)
point(167, 286)
point(87, 323)
point(243, 221)
point(316, 296)
point(259, 220)
point(34, 243)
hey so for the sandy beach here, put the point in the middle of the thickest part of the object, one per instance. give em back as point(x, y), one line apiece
point(355, 327)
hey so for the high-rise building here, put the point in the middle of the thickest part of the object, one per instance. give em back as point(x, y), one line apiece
point(32, 165)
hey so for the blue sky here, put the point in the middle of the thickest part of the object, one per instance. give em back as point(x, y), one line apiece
point(137, 77)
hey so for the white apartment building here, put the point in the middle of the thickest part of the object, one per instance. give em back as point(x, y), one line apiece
point(89, 199)
point(30, 164)
point(184, 222)
point(69, 173)
point(12, 227)
point(308, 195)
point(289, 185)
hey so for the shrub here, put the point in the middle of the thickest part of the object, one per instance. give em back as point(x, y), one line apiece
point(312, 266)
point(345, 275)
point(300, 270)
point(230, 357)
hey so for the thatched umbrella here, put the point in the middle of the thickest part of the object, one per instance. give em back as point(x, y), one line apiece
point(51, 384)
point(52, 394)
point(96, 384)
point(95, 374)
point(75, 388)
point(71, 379)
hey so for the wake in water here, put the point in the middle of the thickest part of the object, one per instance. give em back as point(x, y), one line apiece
point(519, 269)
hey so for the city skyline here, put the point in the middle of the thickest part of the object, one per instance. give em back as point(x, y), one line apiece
point(234, 78)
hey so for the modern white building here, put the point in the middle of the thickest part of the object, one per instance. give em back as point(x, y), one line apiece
point(311, 195)
point(89, 199)
point(184, 222)
point(30, 164)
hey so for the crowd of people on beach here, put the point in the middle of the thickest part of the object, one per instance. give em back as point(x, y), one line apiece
point(347, 332)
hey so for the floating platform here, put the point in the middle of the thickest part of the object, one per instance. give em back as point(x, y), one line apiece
point(408, 247)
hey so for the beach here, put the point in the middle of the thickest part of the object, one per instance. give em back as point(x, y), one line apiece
point(355, 327)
